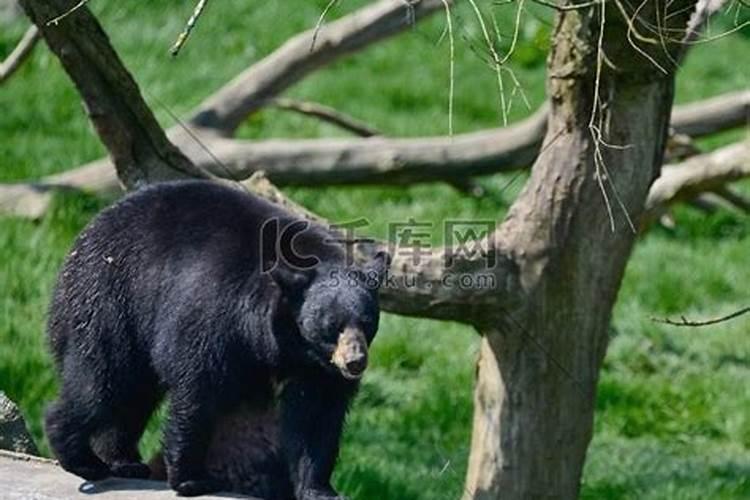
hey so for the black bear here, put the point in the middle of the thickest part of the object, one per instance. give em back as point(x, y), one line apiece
point(251, 321)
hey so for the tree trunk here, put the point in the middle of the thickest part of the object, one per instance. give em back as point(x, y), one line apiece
point(539, 361)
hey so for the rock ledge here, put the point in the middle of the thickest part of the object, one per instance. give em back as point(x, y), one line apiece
point(24, 477)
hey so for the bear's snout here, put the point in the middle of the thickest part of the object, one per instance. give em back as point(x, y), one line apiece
point(350, 355)
point(357, 366)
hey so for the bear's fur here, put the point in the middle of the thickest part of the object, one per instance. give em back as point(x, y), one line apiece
point(181, 290)
point(244, 454)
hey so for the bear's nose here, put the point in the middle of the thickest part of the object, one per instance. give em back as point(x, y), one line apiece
point(357, 365)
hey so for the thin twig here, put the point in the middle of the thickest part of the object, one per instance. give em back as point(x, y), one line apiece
point(596, 133)
point(19, 54)
point(188, 28)
point(65, 14)
point(713, 38)
point(496, 61)
point(319, 24)
point(411, 14)
point(634, 33)
point(328, 115)
point(595, 129)
point(564, 8)
point(691, 35)
point(516, 29)
point(686, 322)
point(451, 87)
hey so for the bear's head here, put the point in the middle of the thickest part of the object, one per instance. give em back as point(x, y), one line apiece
point(336, 311)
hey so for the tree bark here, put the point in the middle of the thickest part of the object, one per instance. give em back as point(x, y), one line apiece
point(539, 363)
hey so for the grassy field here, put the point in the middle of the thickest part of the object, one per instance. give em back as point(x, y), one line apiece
point(673, 416)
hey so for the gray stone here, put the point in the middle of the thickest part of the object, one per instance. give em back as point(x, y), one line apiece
point(23, 477)
point(13, 433)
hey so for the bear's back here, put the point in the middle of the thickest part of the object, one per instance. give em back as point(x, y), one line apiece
point(165, 246)
point(181, 222)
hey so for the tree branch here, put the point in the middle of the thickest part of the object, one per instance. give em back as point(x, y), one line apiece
point(348, 161)
point(227, 108)
point(328, 115)
point(734, 199)
point(698, 174)
point(686, 322)
point(351, 161)
point(380, 160)
point(19, 54)
point(717, 114)
point(32, 199)
point(401, 161)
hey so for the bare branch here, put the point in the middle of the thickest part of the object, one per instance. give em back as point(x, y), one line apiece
point(401, 161)
point(734, 199)
point(705, 202)
point(680, 147)
point(698, 174)
point(686, 322)
point(379, 160)
point(32, 199)
point(331, 4)
point(328, 115)
point(22, 51)
point(175, 50)
point(56, 20)
point(259, 184)
point(470, 154)
point(713, 115)
point(298, 57)
point(358, 161)
point(708, 172)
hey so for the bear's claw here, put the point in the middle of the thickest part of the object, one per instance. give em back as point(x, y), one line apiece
point(194, 488)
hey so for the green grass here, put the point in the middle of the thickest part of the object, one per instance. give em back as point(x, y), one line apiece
point(673, 411)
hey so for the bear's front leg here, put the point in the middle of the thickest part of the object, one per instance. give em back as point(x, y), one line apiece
point(191, 418)
point(312, 419)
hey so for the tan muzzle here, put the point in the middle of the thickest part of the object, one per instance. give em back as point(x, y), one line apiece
point(350, 355)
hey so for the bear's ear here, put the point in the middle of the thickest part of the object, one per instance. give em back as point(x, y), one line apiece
point(291, 281)
point(380, 264)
